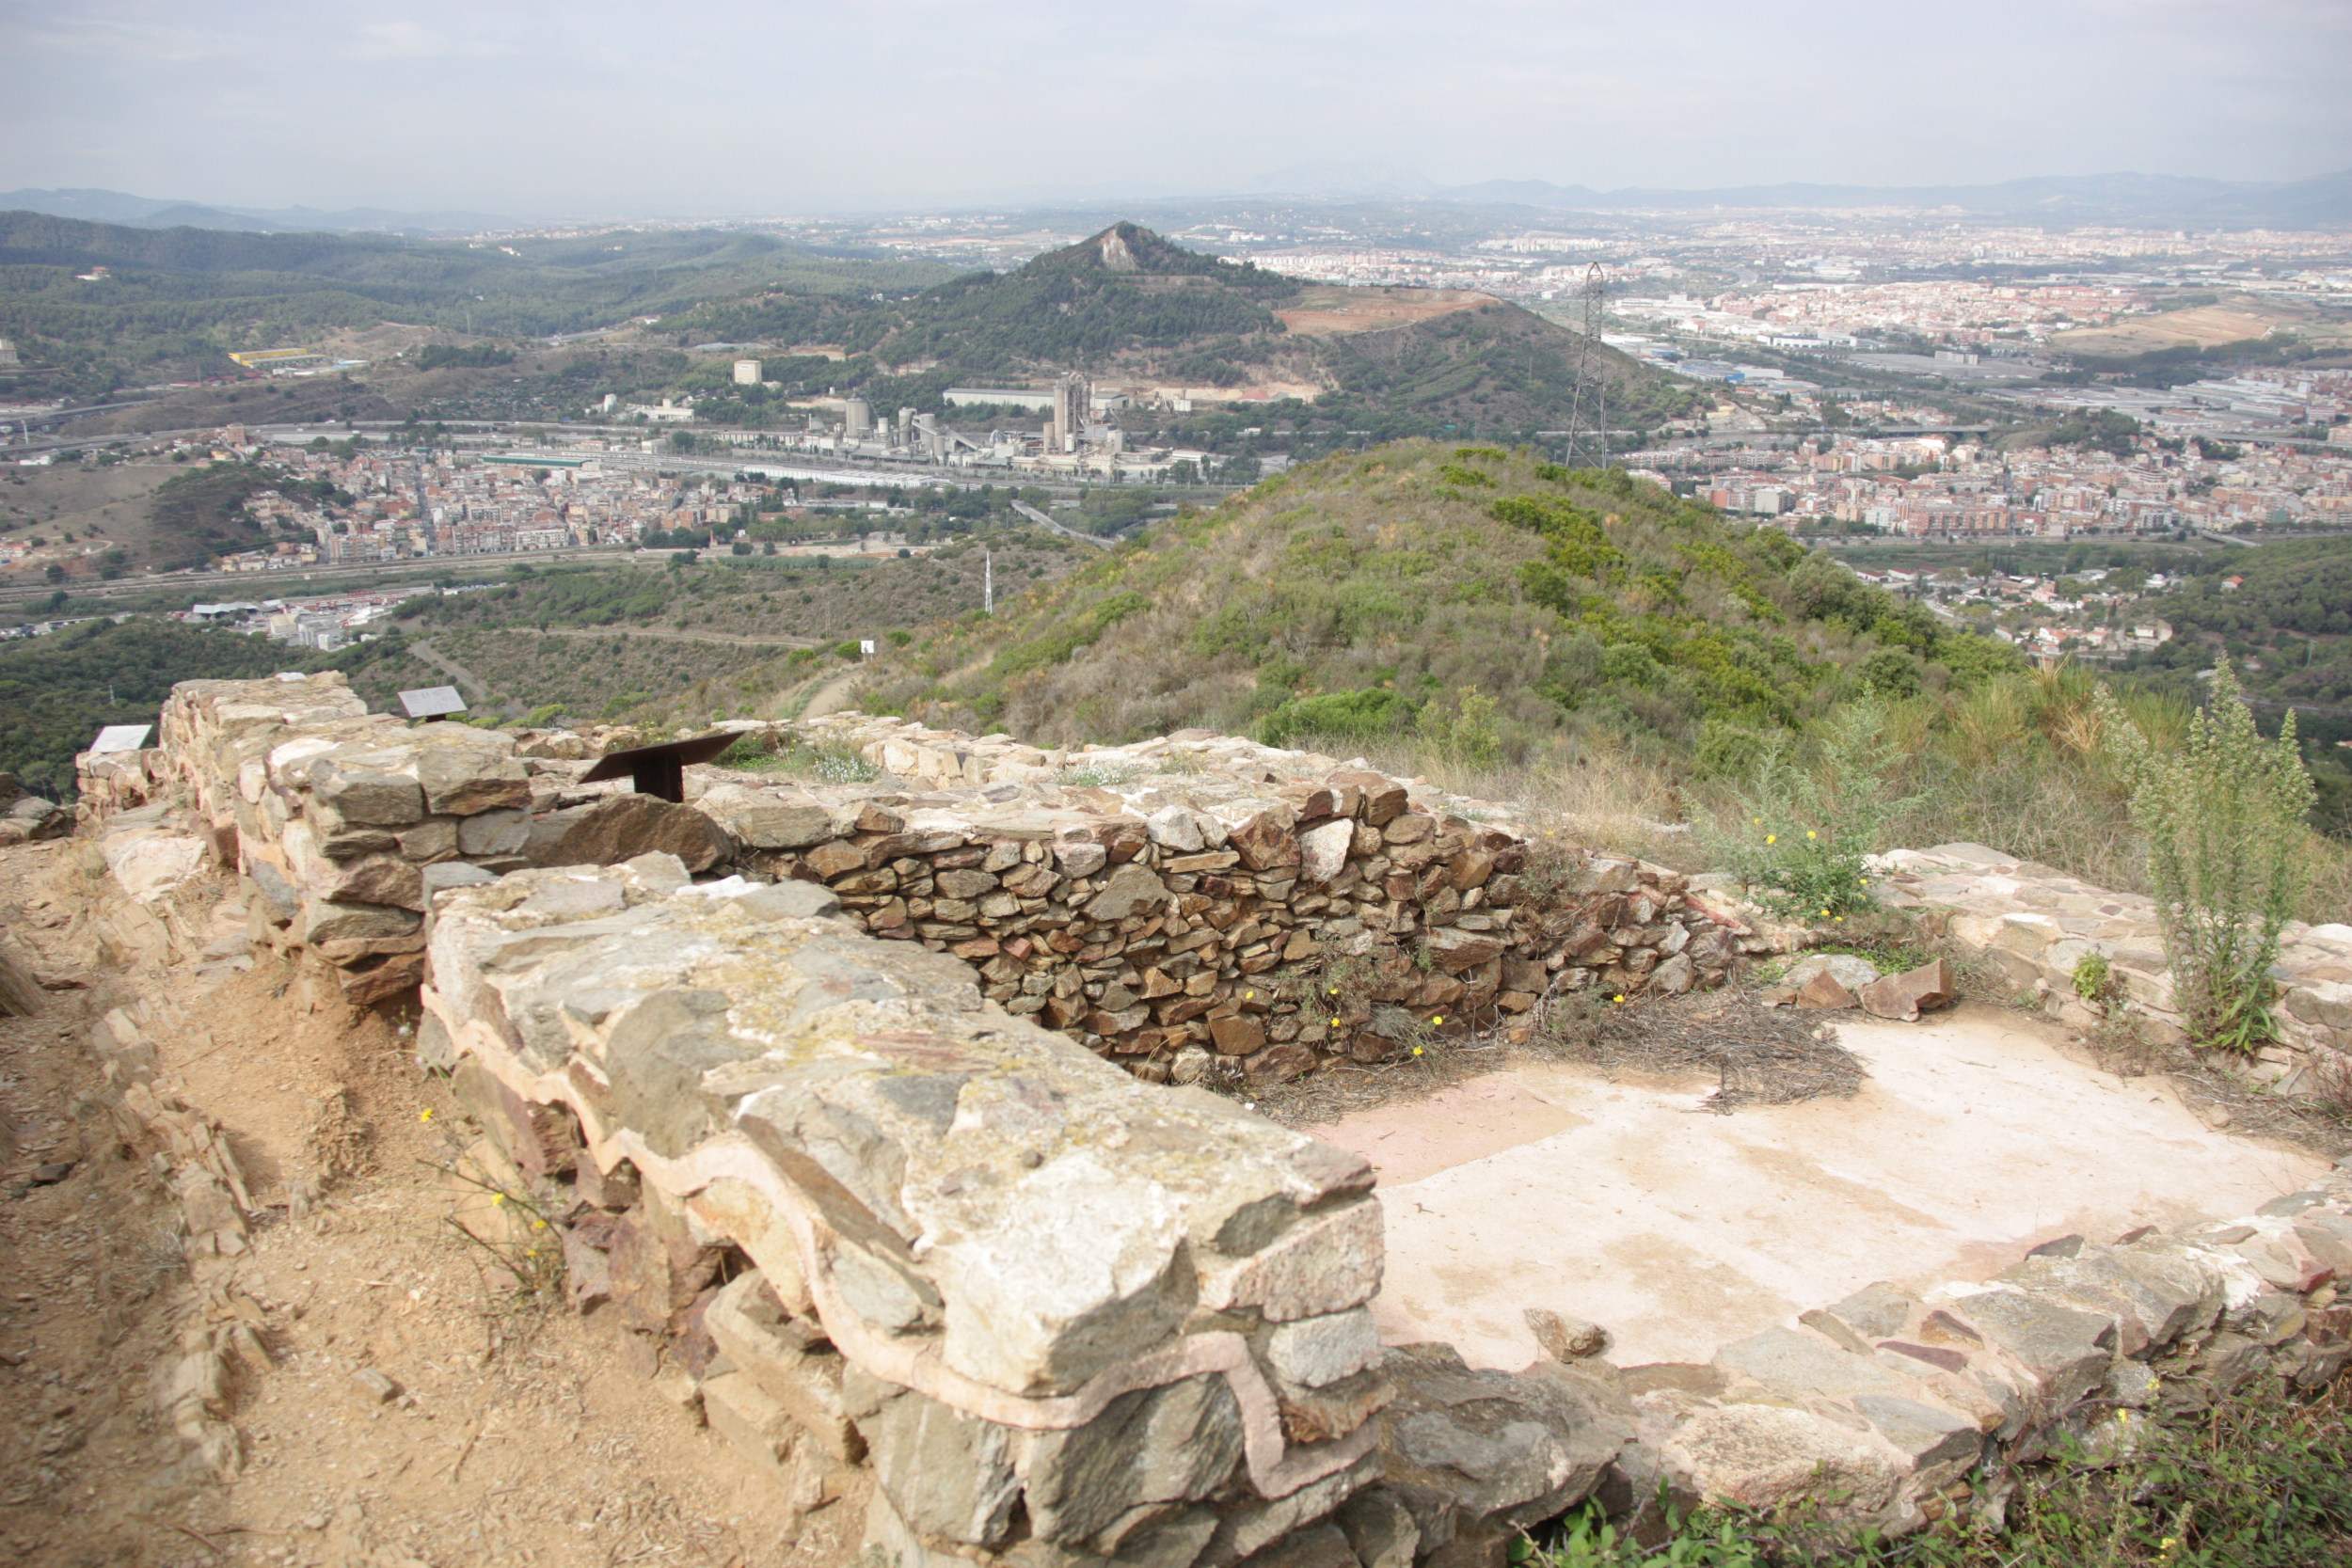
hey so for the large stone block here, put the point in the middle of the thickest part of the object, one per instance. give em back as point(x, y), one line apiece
point(1145, 1455)
point(375, 880)
point(623, 827)
point(1130, 890)
point(324, 920)
point(789, 1359)
point(463, 771)
point(373, 797)
point(946, 1473)
point(2067, 1351)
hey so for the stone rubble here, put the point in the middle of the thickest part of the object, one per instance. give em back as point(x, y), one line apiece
point(28, 818)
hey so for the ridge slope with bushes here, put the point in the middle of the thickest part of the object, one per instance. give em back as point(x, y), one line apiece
point(1392, 591)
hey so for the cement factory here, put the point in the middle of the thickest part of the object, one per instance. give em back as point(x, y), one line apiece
point(1076, 434)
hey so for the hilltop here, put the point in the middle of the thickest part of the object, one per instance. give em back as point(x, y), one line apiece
point(1387, 593)
point(1093, 304)
point(1129, 305)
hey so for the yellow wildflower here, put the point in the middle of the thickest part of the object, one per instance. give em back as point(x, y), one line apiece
point(1335, 1023)
point(1772, 838)
point(498, 1200)
point(1619, 997)
point(1417, 1051)
point(425, 1115)
point(1810, 833)
point(1437, 1018)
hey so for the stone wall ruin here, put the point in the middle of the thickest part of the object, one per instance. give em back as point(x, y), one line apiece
point(809, 1137)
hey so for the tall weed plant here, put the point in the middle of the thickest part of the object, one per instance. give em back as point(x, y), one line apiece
point(2224, 816)
point(1802, 824)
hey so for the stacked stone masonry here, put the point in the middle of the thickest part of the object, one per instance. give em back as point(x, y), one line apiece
point(347, 820)
point(811, 1148)
point(2037, 924)
point(1047, 1305)
point(1203, 905)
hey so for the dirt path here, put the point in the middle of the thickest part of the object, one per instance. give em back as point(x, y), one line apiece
point(91, 1285)
point(518, 1431)
point(834, 695)
point(680, 634)
point(477, 691)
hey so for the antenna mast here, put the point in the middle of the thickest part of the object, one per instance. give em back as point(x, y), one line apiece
point(1588, 401)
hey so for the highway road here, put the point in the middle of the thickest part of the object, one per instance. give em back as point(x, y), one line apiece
point(210, 586)
point(1043, 521)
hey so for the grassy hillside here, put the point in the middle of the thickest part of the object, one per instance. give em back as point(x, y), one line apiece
point(1355, 597)
point(1125, 289)
point(1497, 369)
point(1576, 642)
point(822, 597)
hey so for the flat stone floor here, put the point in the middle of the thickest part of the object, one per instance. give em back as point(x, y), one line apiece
point(1678, 1229)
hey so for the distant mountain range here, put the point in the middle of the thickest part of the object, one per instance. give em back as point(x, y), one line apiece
point(2157, 200)
point(2165, 200)
point(147, 212)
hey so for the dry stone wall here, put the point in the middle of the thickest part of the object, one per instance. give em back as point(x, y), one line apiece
point(347, 820)
point(1050, 1308)
point(340, 817)
point(1205, 905)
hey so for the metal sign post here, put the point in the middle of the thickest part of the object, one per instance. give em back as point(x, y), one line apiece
point(430, 703)
point(659, 770)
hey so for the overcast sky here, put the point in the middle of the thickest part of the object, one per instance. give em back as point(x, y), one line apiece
point(593, 108)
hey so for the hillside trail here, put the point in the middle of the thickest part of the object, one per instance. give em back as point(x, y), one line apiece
point(477, 691)
point(834, 696)
point(514, 1430)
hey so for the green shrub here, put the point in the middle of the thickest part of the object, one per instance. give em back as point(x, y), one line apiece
point(1366, 715)
point(1463, 732)
point(1798, 833)
point(2095, 978)
point(1727, 750)
point(2224, 816)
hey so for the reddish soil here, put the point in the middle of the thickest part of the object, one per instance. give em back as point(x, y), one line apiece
point(520, 1433)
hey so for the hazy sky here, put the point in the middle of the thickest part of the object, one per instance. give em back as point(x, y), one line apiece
point(597, 108)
